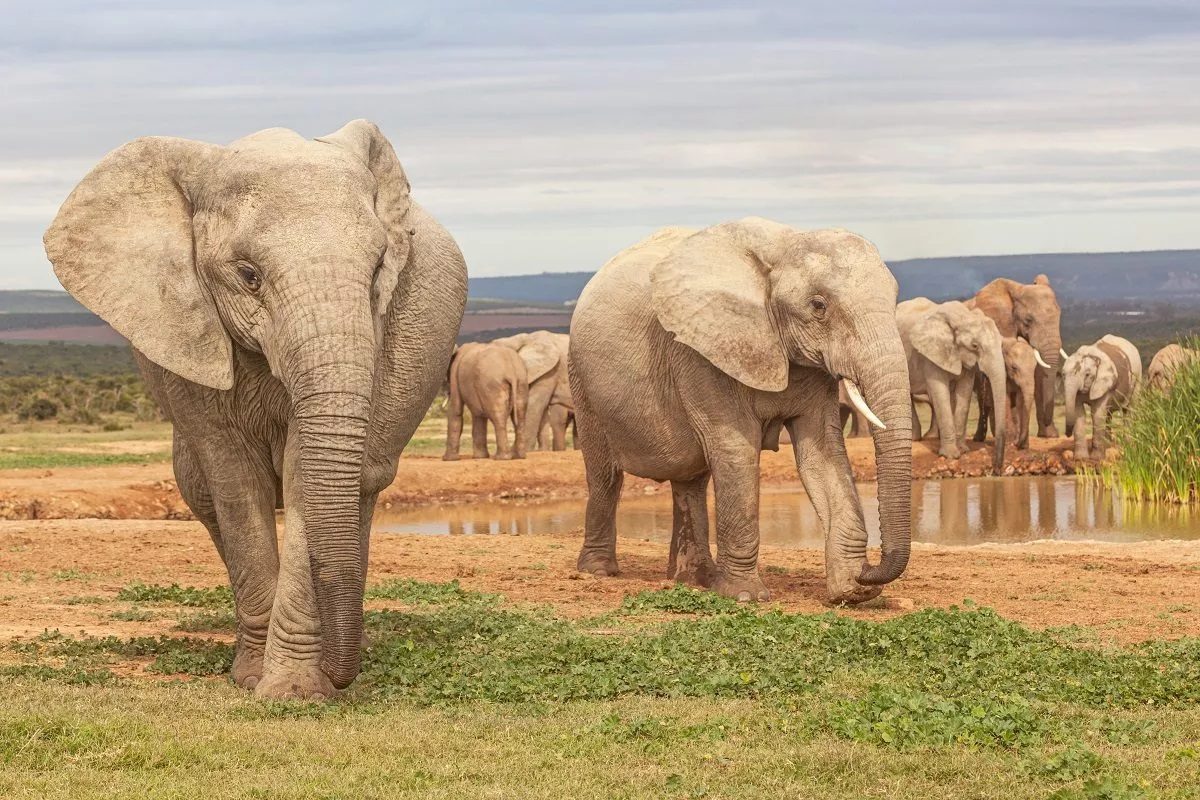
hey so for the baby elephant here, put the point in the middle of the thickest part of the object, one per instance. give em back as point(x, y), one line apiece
point(490, 380)
point(1165, 364)
point(1021, 361)
point(1103, 375)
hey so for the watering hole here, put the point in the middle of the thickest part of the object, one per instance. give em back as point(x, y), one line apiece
point(957, 511)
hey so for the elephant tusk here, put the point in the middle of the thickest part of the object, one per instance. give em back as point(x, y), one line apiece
point(1063, 353)
point(1041, 361)
point(856, 399)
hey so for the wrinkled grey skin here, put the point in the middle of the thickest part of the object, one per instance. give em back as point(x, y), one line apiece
point(691, 350)
point(293, 311)
point(490, 381)
point(1092, 378)
point(545, 357)
point(1029, 311)
point(947, 344)
point(1164, 365)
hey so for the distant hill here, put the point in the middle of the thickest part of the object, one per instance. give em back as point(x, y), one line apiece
point(35, 301)
point(1171, 275)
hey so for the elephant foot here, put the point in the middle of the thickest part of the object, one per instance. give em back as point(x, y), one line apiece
point(853, 593)
point(481, 454)
point(306, 683)
point(744, 588)
point(450, 457)
point(247, 666)
point(698, 572)
point(503, 457)
point(601, 563)
point(949, 451)
point(1048, 432)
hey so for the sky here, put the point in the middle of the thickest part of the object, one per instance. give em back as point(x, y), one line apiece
point(548, 136)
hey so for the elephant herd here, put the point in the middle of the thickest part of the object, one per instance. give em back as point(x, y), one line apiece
point(294, 310)
point(522, 379)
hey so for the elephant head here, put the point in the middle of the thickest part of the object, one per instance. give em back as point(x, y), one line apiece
point(1088, 370)
point(1027, 310)
point(756, 298)
point(283, 246)
point(956, 338)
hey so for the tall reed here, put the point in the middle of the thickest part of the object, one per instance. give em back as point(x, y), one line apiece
point(1159, 440)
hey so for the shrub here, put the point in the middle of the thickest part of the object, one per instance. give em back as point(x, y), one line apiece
point(1159, 441)
point(38, 408)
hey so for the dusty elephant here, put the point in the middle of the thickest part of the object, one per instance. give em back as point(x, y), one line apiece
point(545, 356)
point(946, 345)
point(1164, 365)
point(692, 349)
point(1029, 311)
point(292, 310)
point(1103, 376)
point(1021, 362)
point(558, 420)
point(860, 426)
point(490, 381)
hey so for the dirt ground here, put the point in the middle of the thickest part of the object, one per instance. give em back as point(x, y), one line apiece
point(149, 492)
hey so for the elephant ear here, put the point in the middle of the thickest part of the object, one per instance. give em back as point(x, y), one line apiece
point(1106, 377)
point(392, 200)
point(539, 358)
point(933, 338)
point(711, 292)
point(122, 244)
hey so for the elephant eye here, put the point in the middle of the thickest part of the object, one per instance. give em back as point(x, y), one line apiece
point(819, 306)
point(249, 276)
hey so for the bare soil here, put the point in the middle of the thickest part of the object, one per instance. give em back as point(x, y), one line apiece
point(65, 574)
point(149, 492)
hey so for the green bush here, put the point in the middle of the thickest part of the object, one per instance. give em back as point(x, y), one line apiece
point(37, 408)
point(1159, 439)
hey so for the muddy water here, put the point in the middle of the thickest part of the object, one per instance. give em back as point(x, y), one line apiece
point(956, 511)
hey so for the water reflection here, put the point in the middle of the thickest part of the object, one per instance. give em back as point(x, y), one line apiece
point(957, 511)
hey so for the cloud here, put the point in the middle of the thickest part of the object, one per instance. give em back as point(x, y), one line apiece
point(550, 135)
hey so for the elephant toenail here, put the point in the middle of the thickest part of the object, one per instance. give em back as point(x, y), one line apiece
point(251, 682)
point(743, 597)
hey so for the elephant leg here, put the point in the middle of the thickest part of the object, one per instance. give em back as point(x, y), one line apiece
point(943, 415)
point(503, 449)
point(829, 483)
point(1043, 393)
point(479, 444)
point(964, 387)
point(520, 400)
point(690, 559)
point(292, 661)
point(454, 426)
point(558, 415)
point(238, 510)
point(540, 392)
point(1100, 417)
point(916, 424)
point(734, 463)
point(598, 555)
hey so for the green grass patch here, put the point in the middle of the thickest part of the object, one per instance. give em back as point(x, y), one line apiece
point(679, 599)
point(191, 596)
point(414, 592)
point(1159, 440)
point(221, 620)
point(56, 459)
point(169, 656)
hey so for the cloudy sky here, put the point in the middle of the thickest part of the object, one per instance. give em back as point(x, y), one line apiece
point(547, 136)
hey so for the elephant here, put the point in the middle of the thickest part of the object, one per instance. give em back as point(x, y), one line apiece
point(545, 356)
point(1104, 376)
point(1030, 311)
point(292, 309)
point(1021, 362)
point(491, 381)
point(946, 345)
point(553, 435)
point(1164, 365)
point(692, 349)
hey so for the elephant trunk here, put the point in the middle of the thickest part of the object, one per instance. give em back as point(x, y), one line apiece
point(993, 368)
point(1070, 397)
point(331, 400)
point(883, 378)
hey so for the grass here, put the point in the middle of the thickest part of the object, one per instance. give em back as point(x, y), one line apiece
point(1159, 439)
point(463, 695)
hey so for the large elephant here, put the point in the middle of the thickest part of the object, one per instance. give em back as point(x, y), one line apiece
point(946, 345)
point(490, 381)
point(860, 426)
point(692, 349)
point(1030, 311)
point(545, 356)
point(1164, 365)
point(1103, 376)
point(292, 310)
